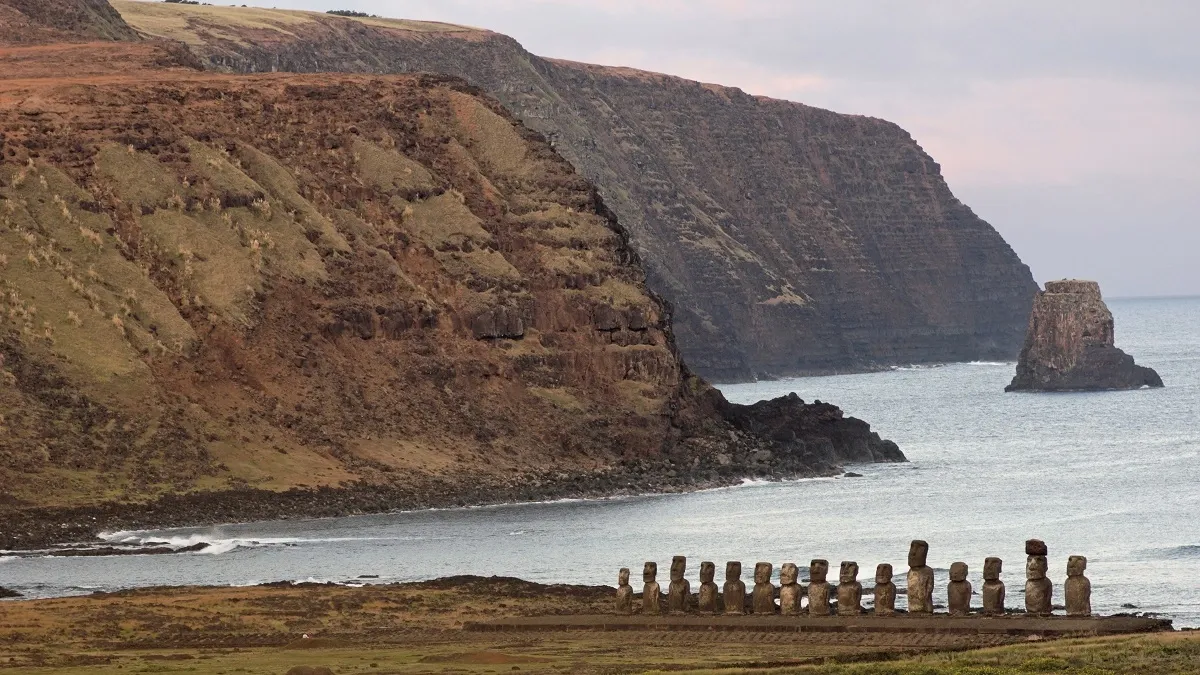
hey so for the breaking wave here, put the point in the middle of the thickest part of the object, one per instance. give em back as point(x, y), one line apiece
point(218, 544)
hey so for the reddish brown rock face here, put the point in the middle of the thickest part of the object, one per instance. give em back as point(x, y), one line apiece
point(789, 239)
point(39, 21)
point(1070, 345)
point(250, 297)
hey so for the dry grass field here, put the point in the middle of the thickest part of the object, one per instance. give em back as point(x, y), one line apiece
point(417, 628)
point(182, 22)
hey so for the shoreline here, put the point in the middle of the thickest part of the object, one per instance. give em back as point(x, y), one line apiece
point(45, 528)
point(857, 370)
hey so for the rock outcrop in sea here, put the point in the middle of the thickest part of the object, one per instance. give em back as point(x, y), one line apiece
point(1070, 345)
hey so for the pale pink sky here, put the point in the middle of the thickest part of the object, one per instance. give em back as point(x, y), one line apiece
point(1073, 126)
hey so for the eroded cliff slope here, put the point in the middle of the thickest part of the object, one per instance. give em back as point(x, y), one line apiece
point(41, 21)
point(789, 239)
point(229, 297)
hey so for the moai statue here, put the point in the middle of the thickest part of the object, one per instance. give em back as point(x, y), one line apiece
point(708, 589)
point(680, 591)
point(818, 588)
point(920, 579)
point(885, 591)
point(849, 593)
point(790, 589)
point(624, 592)
point(1039, 591)
point(1078, 588)
point(651, 592)
point(958, 591)
point(764, 590)
point(993, 588)
point(734, 592)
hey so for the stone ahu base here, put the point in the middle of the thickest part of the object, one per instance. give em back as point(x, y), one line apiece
point(939, 623)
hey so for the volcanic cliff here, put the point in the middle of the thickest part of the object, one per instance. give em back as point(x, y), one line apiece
point(789, 239)
point(233, 297)
point(1071, 344)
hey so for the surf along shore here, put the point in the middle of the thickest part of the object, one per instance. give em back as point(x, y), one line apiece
point(426, 627)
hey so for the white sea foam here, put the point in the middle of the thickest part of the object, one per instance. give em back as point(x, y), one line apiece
point(219, 543)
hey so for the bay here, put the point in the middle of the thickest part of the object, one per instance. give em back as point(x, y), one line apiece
point(1114, 476)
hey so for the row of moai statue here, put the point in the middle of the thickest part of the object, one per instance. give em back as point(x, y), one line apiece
point(1039, 590)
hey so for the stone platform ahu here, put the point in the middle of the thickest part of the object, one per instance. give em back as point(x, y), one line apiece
point(791, 598)
point(1071, 346)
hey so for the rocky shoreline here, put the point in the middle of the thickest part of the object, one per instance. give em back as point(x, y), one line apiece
point(780, 439)
point(43, 528)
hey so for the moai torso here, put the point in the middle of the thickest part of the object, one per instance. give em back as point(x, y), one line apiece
point(624, 603)
point(885, 591)
point(849, 591)
point(707, 599)
point(1078, 588)
point(920, 579)
point(1039, 591)
point(651, 592)
point(734, 593)
point(680, 591)
point(993, 588)
point(818, 588)
point(790, 590)
point(764, 590)
point(958, 591)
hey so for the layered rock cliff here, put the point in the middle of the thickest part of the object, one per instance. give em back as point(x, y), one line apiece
point(41, 21)
point(789, 239)
point(1071, 345)
point(230, 297)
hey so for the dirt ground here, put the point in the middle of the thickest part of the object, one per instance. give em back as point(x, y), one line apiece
point(417, 628)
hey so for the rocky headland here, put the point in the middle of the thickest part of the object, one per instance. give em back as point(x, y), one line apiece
point(789, 239)
point(233, 297)
point(1071, 345)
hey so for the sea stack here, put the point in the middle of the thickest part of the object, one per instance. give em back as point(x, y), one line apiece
point(1070, 344)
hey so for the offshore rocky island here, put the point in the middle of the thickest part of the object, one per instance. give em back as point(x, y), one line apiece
point(1071, 344)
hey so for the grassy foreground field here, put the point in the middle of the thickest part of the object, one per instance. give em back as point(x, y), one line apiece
point(417, 628)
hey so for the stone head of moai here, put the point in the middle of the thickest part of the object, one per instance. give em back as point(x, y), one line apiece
point(707, 572)
point(623, 577)
point(789, 574)
point(733, 570)
point(818, 571)
point(762, 573)
point(848, 573)
point(992, 568)
point(1036, 547)
point(918, 553)
point(678, 567)
point(1035, 567)
point(958, 571)
point(1076, 566)
point(649, 572)
point(883, 573)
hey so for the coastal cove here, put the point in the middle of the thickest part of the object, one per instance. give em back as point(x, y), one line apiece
point(1113, 476)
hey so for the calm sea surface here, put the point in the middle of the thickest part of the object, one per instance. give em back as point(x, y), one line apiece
point(1113, 476)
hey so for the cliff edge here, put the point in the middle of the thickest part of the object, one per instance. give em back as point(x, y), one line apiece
point(1070, 345)
point(229, 298)
point(26, 22)
point(789, 239)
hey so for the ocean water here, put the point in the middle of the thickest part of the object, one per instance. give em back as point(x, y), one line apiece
point(1114, 476)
